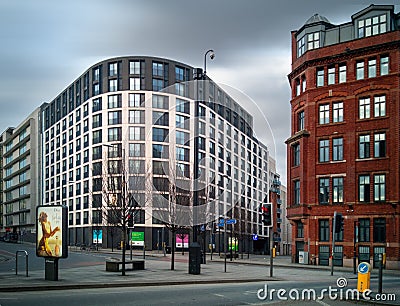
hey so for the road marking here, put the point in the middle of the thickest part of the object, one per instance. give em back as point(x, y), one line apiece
point(322, 303)
point(220, 295)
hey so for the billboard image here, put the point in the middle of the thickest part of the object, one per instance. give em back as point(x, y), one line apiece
point(182, 238)
point(137, 238)
point(51, 231)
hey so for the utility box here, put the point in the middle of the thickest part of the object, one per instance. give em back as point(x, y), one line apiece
point(303, 257)
point(364, 276)
point(194, 258)
point(51, 269)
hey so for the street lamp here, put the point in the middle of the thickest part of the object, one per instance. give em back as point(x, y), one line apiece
point(195, 268)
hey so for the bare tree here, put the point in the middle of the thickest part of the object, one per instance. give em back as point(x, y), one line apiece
point(172, 199)
point(119, 187)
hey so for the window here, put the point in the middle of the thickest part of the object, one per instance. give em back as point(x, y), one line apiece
point(96, 105)
point(134, 84)
point(342, 73)
point(304, 83)
point(179, 74)
point(184, 122)
point(112, 69)
point(323, 197)
point(113, 85)
point(160, 102)
point(160, 134)
point(97, 137)
point(134, 67)
point(182, 154)
point(298, 87)
point(384, 65)
point(320, 77)
point(161, 168)
point(324, 114)
point(300, 229)
point(337, 184)
point(182, 137)
point(380, 230)
point(161, 118)
point(296, 154)
point(136, 100)
point(313, 41)
point(160, 151)
point(372, 26)
point(114, 101)
point(296, 192)
point(114, 134)
point(182, 106)
point(136, 149)
point(115, 117)
point(338, 112)
point(331, 75)
point(158, 69)
point(301, 46)
point(379, 187)
point(380, 106)
point(158, 84)
point(372, 68)
point(337, 149)
point(363, 188)
point(323, 230)
point(136, 116)
point(364, 108)
point(136, 133)
point(363, 230)
point(360, 70)
point(323, 150)
point(380, 145)
point(363, 146)
point(300, 121)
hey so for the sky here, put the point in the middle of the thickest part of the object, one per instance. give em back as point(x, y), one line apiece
point(47, 44)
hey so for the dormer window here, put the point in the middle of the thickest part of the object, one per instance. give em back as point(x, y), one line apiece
point(372, 26)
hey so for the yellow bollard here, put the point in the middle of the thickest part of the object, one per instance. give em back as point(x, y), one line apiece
point(273, 252)
point(364, 276)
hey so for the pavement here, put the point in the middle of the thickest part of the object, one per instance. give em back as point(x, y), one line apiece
point(157, 272)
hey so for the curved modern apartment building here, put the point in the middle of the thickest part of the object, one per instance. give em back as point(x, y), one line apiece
point(140, 111)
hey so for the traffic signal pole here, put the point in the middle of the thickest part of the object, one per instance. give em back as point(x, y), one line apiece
point(333, 240)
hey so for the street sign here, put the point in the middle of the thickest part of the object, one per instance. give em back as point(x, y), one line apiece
point(137, 238)
point(221, 224)
point(363, 268)
point(202, 228)
point(231, 221)
point(255, 237)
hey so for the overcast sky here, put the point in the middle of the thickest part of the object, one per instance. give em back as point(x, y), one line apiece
point(47, 44)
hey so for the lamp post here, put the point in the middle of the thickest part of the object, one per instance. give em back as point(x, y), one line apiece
point(197, 77)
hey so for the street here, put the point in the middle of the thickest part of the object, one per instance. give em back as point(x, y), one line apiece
point(213, 294)
point(294, 285)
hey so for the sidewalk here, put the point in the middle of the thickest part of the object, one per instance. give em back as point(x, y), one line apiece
point(157, 272)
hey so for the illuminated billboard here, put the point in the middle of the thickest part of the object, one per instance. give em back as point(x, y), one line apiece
point(51, 231)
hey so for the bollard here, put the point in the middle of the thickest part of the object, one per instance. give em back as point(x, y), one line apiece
point(26, 261)
point(364, 276)
point(380, 257)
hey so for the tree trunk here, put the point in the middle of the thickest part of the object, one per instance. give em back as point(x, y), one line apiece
point(123, 249)
point(173, 250)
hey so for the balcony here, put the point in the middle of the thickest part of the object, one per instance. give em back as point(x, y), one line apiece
point(279, 211)
point(278, 220)
point(276, 182)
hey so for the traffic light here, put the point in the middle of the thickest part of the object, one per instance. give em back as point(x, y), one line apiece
point(130, 220)
point(266, 210)
point(339, 223)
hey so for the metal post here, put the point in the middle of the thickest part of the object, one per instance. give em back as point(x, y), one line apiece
point(271, 264)
point(26, 261)
point(380, 257)
point(231, 243)
point(225, 242)
point(354, 248)
point(211, 237)
point(333, 240)
point(130, 242)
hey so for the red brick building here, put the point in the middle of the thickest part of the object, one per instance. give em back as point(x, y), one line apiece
point(343, 153)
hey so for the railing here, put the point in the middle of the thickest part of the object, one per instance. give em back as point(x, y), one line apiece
point(26, 261)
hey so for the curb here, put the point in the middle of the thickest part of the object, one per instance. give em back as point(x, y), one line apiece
point(121, 285)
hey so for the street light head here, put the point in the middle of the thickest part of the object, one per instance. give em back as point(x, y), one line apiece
point(212, 55)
